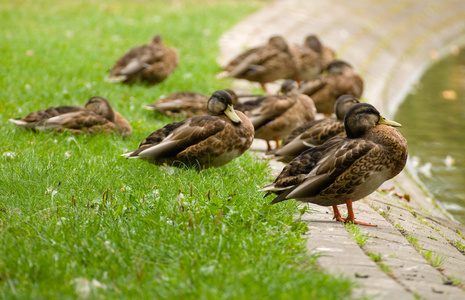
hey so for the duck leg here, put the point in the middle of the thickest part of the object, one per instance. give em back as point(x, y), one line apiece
point(337, 214)
point(350, 215)
point(268, 146)
point(277, 139)
point(351, 218)
point(263, 85)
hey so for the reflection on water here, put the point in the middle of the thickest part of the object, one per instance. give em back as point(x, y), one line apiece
point(433, 120)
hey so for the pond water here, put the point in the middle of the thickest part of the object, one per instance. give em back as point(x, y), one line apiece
point(433, 122)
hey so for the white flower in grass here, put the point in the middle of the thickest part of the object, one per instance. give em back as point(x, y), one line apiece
point(27, 86)
point(68, 153)
point(69, 34)
point(9, 154)
point(88, 85)
point(187, 75)
point(83, 287)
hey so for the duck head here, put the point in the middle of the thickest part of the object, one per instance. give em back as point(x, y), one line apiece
point(312, 42)
point(343, 104)
point(361, 117)
point(221, 103)
point(278, 42)
point(338, 67)
point(101, 106)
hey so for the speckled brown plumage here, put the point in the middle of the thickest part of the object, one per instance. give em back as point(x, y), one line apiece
point(267, 63)
point(345, 169)
point(201, 141)
point(316, 132)
point(276, 116)
point(186, 104)
point(314, 58)
point(325, 89)
point(151, 63)
point(95, 117)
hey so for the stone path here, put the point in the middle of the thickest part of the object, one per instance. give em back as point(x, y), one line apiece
point(416, 252)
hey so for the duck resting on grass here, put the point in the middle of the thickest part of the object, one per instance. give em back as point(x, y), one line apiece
point(345, 169)
point(151, 63)
point(96, 116)
point(202, 141)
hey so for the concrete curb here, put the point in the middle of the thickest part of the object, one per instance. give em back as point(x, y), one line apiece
point(416, 251)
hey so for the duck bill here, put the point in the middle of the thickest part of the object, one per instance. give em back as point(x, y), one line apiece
point(231, 114)
point(385, 121)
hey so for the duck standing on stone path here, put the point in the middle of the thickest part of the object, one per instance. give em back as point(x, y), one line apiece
point(95, 117)
point(201, 141)
point(325, 89)
point(275, 116)
point(266, 63)
point(345, 169)
point(151, 63)
point(314, 58)
point(315, 133)
point(185, 104)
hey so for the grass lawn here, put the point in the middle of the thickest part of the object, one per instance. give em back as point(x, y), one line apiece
point(78, 220)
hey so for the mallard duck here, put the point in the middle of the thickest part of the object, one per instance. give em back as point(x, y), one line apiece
point(186, 104)
point(315, 133)
point(201, 141)
point(274, 117)
point(96, 116)
point(151, 63)
point(325, 89)
point(314, 58)
point(267, 63)
point(345, 169)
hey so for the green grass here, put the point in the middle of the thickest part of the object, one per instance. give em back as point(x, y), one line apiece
point(359, 237)
point(78, 220)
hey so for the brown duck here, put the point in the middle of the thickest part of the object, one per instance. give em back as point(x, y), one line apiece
point(275, 116)
point(185, 104)
point(267, 63)
point(151, 63)
point(314, 58)
point(345, 169)
point(315, 133)
point(95, 117)
point(325, 89)
point(201, 141)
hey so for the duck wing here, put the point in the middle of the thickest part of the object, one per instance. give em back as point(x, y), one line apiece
point(178, 136)
point(73, 120)
point(318, 168)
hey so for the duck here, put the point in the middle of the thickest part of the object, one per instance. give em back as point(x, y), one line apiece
point(266, 63)
point(185, 104)
point(96, 116)
point(275, 116)
point(200, 142)
point(345, 169)
point(314, 58)
point(151, 63)
point(325, 89)
point(316, 132)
